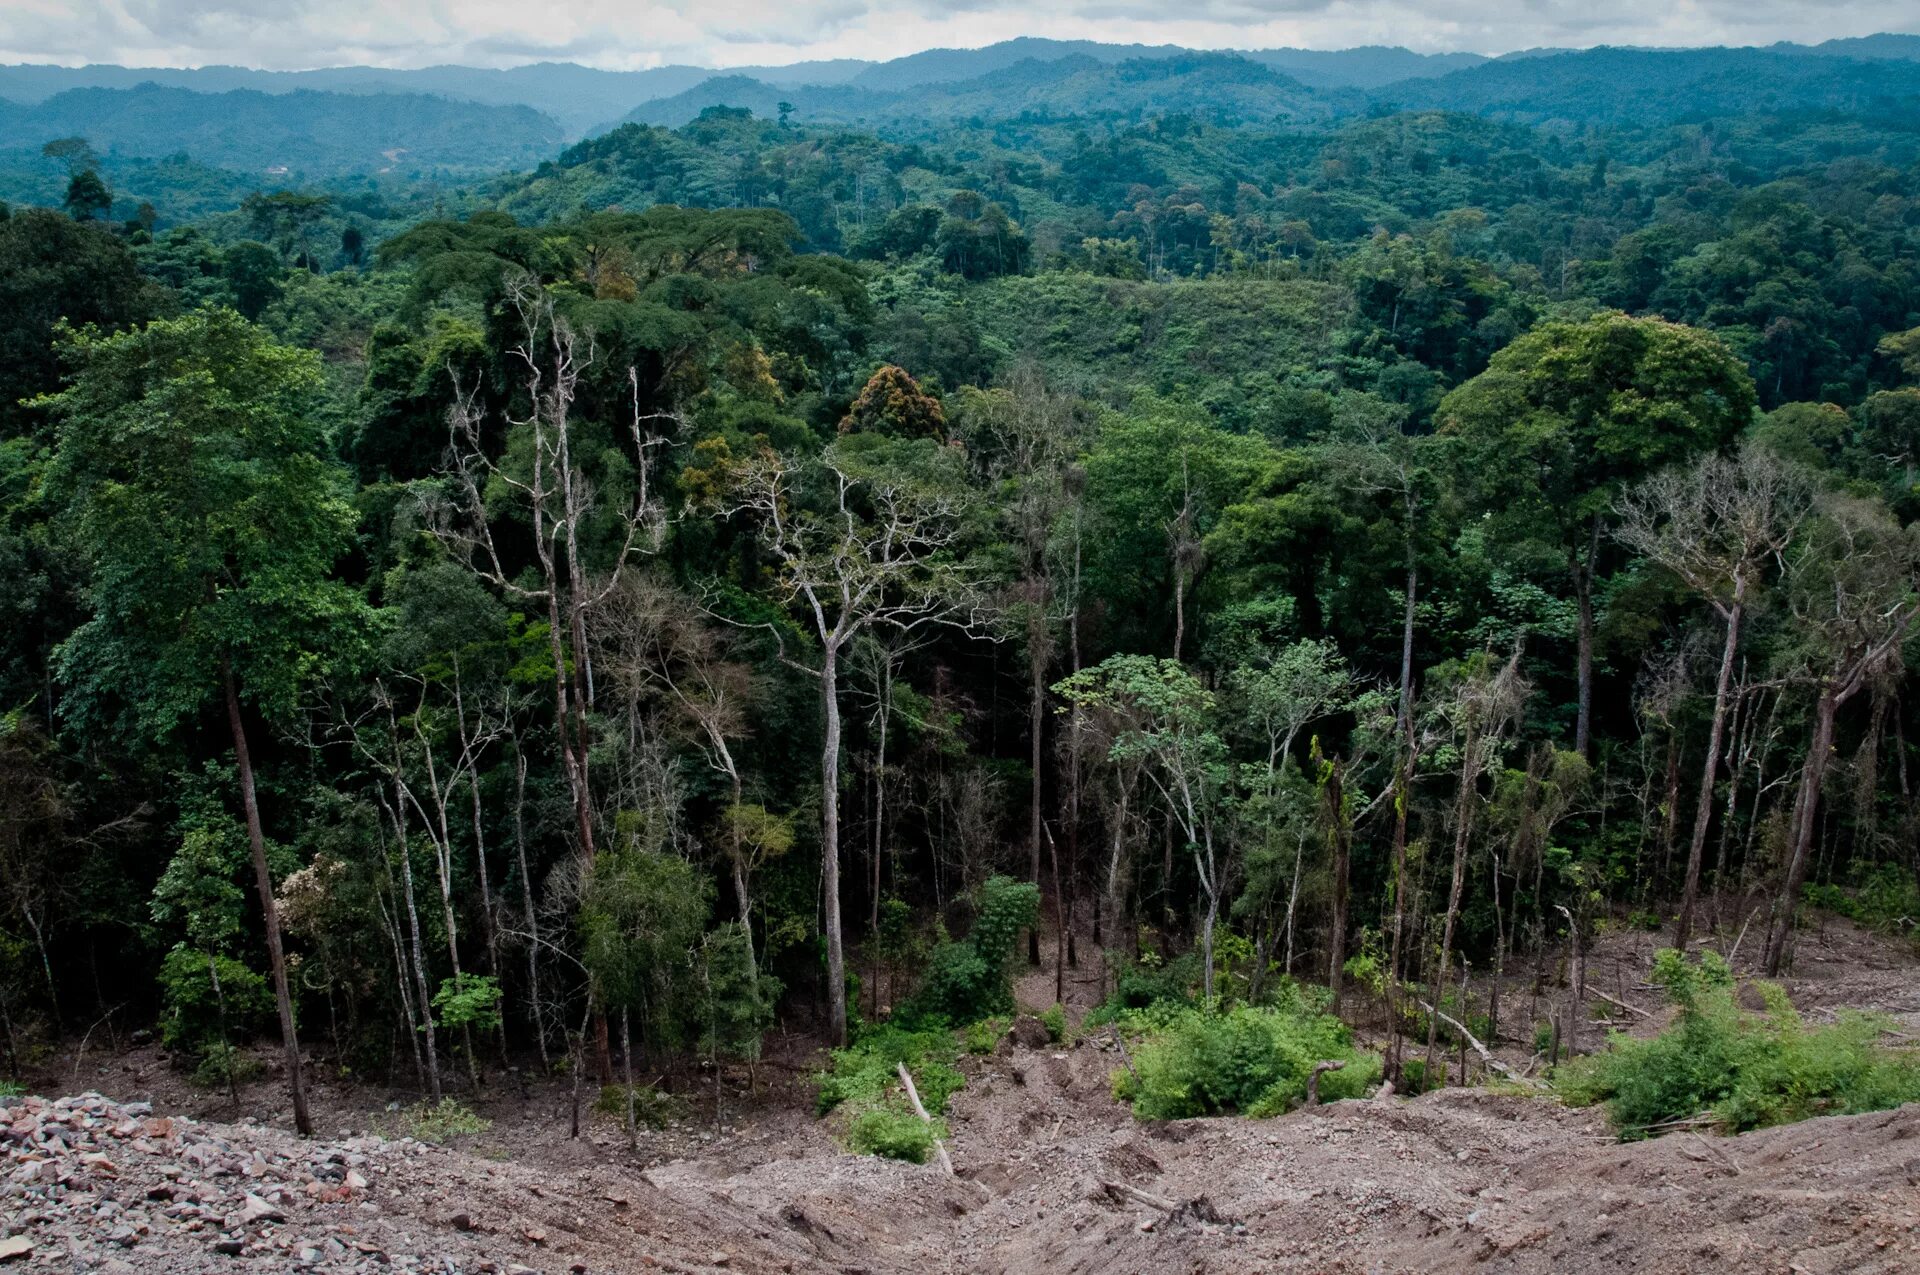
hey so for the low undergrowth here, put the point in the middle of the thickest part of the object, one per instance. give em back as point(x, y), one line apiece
point(1255, 1060)
point(1886, 900)
point(1735, 1069)
point(437, 1122)
point(863, 1083)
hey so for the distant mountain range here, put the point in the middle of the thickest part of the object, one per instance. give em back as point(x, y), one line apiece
point(449, 118)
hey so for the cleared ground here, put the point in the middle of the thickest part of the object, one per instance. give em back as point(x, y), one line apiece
point(1053, 1176)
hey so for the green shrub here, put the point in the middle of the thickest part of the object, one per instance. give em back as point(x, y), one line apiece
point(894, 1133)
point(863, 1083)
point(984, 1036)
point(1887, 900)
point(439, 1122)
point(652, 1107)
point(1741, 1069)
point(969, 980)
point(468, 1000)
point(1149, 982)
point(1413, 1077)
point(191, 1022)
point(1054, 1019)
point(862, 1073)
point(224, 1066)
point(1253, 1060)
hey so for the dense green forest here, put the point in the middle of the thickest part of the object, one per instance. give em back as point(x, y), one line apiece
point(675, 587)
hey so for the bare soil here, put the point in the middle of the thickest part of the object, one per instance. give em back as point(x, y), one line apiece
point(1053, 1175)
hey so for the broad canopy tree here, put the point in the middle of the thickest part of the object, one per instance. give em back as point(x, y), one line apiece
point(1566, 416)
point(193, 470)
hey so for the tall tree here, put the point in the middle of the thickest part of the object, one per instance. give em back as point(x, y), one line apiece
point(1570, 413)
point(1716, 525)
point(1854, 591)
point(192, 464)
point(865, 536)
point(1028, 437)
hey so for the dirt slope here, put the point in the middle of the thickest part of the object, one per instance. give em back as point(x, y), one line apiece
point(1460, 1180)
point(1052, 1175)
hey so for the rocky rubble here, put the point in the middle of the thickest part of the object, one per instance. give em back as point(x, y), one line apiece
point(95, 1185)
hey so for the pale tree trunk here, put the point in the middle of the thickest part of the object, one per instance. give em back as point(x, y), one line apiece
point(270, 912)
point(1805, 807)
point(526, 901)
point(830, 846)
point(1401, 796)
point(1036, 721)
point(1342, 843)
point(418, 951)
point(1583, 596)
point(489, 929)
point(1709, 770)
point(1462, 834)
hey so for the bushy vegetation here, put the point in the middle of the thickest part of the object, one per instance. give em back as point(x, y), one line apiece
point(440, 1121)
point(1255, 1060)
point(1738, 1069)
point(968, 980)
point(652, 1106)
point(1887, 900)
point(863, 1084)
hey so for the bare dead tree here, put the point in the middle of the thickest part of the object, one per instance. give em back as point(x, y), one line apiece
point(559, 499)
point(1717, 525)
point(1480, 710)
point(872, 548)
point(1854, 591)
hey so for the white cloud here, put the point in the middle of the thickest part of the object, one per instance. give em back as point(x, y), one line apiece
point(288, 34)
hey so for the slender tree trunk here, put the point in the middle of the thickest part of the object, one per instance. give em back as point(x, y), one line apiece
point(1709, 770)
point(562, 718)
point(830, 846)
point(270, 913)
point(526, 901)
point(1583, 597)
point(1499, 957)
point(626, 1071)
point(226, 1049)
point(1073, 762)
point(1036, 724)
point(1462, 834)
point(1670, 811)
point(1402, 781)
point(1406, 638)
point(1342, 840)
point(1805, 809)
point(418, 950)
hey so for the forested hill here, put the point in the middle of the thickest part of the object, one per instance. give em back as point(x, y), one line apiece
point(1614, 86)
point(1328, 556)
point(463, 120)
point(1212, 84)
point(294, 135)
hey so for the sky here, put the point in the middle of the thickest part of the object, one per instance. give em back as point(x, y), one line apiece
point(635, 34)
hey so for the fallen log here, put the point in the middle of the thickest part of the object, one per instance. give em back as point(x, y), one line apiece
point(1121, 1191)
point(1320, 1069)
point(1612, 1000)
point(913, 1096)
point(1480, 1049)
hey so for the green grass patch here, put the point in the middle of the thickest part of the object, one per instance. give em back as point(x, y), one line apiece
point(1255, 1060)
point(1737, 1068)
point(436, 1121)
point(651, 1107)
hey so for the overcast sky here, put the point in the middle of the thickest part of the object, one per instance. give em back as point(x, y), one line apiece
point(630, 34)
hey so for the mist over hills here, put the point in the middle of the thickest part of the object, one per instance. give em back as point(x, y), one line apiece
point(312, 125)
